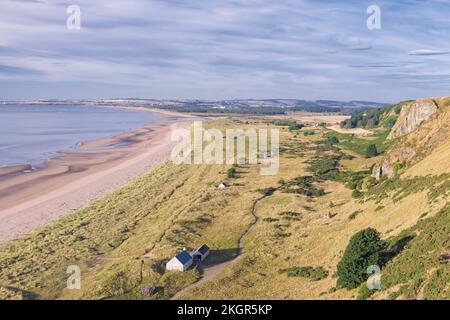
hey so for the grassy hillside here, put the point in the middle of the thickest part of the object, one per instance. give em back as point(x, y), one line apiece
point(299, 222)
point(421, 270)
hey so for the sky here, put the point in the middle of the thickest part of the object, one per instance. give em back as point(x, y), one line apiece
point(227, 49)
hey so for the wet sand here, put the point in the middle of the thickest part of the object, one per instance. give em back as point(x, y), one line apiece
point(75, 178)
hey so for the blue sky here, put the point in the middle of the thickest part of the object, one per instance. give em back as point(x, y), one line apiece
point(210, 49)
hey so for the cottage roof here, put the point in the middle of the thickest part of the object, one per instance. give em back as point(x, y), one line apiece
point(183, 257)
point(203, 249)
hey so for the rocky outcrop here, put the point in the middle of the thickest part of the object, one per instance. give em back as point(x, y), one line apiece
point(383, 169)
point(423, 126)
point(412, 115)
point(397, 155)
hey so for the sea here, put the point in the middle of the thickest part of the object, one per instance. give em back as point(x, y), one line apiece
point(31, 134)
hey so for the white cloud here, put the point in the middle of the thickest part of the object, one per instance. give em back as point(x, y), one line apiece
point(223, 48)
point(426, 52)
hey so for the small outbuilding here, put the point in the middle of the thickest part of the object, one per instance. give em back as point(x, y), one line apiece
point(181, 262)
point(201, 253)
point(223, 185)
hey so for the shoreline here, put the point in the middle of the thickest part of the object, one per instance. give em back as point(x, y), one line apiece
point(73, 179)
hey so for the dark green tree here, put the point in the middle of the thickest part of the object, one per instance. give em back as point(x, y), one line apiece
point(333, 139)
point(295, 126)
point(371, 151)
point(231, 173)
point(362, 251)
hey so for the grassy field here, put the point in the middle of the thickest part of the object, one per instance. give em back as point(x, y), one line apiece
point(121, 242)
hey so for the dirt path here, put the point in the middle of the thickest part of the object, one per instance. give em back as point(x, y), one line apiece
point(210, 272)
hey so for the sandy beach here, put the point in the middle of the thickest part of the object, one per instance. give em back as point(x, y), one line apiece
point(32, 199)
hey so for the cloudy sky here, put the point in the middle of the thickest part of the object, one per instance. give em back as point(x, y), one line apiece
point(211, 49)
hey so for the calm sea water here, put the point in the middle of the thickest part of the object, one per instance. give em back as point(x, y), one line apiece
point(33, 134)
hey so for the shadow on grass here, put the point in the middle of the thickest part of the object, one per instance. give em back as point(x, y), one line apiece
point(220, 256)
point(395, 249)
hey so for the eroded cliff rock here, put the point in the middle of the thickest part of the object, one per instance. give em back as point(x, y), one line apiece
point(422, 125)
point(412, 115)
point(400, 154)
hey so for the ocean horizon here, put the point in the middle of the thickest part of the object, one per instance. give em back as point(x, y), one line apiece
point(32, 134)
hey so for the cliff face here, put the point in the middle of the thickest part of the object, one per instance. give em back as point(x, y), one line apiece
point(383, 169)
point(423, 126)
point(400, 154)
point(411, 116)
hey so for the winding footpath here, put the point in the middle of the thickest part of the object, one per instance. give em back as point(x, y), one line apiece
point(210, 272)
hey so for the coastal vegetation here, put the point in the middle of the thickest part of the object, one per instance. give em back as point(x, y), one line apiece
point(309, 231)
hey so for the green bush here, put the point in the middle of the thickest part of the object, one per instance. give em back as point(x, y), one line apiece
point(354, 214)
point(369, 182)
point(267, 191)
point(295, 126)
point(371, 151)
point(362, 251)
point(364, 293)
point(389, 122)
point(333, 139)
point(321, 165)
point(397, 167)
point(315, 274)
point(231, 173)
point(357, 194)
point(303, 185)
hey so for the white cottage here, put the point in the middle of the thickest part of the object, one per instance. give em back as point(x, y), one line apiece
point(223, 185)
point(181, 262)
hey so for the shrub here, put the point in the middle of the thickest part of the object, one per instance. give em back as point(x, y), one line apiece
point(371, 151)
point(322, 165)
point(369, 182)
point(333, 139)
point(231, 173)
point(295, 126)
point(357, 194)
point(290, 215)
point(364, 293)
point(315, 274)
point(397, 167)
point(354, 214)
point(303, 185)
point(390, 122)
point(292, 124)
point(362, 251)
point(267, 191)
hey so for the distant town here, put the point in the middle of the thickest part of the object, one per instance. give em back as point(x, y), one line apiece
point(239, 106)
